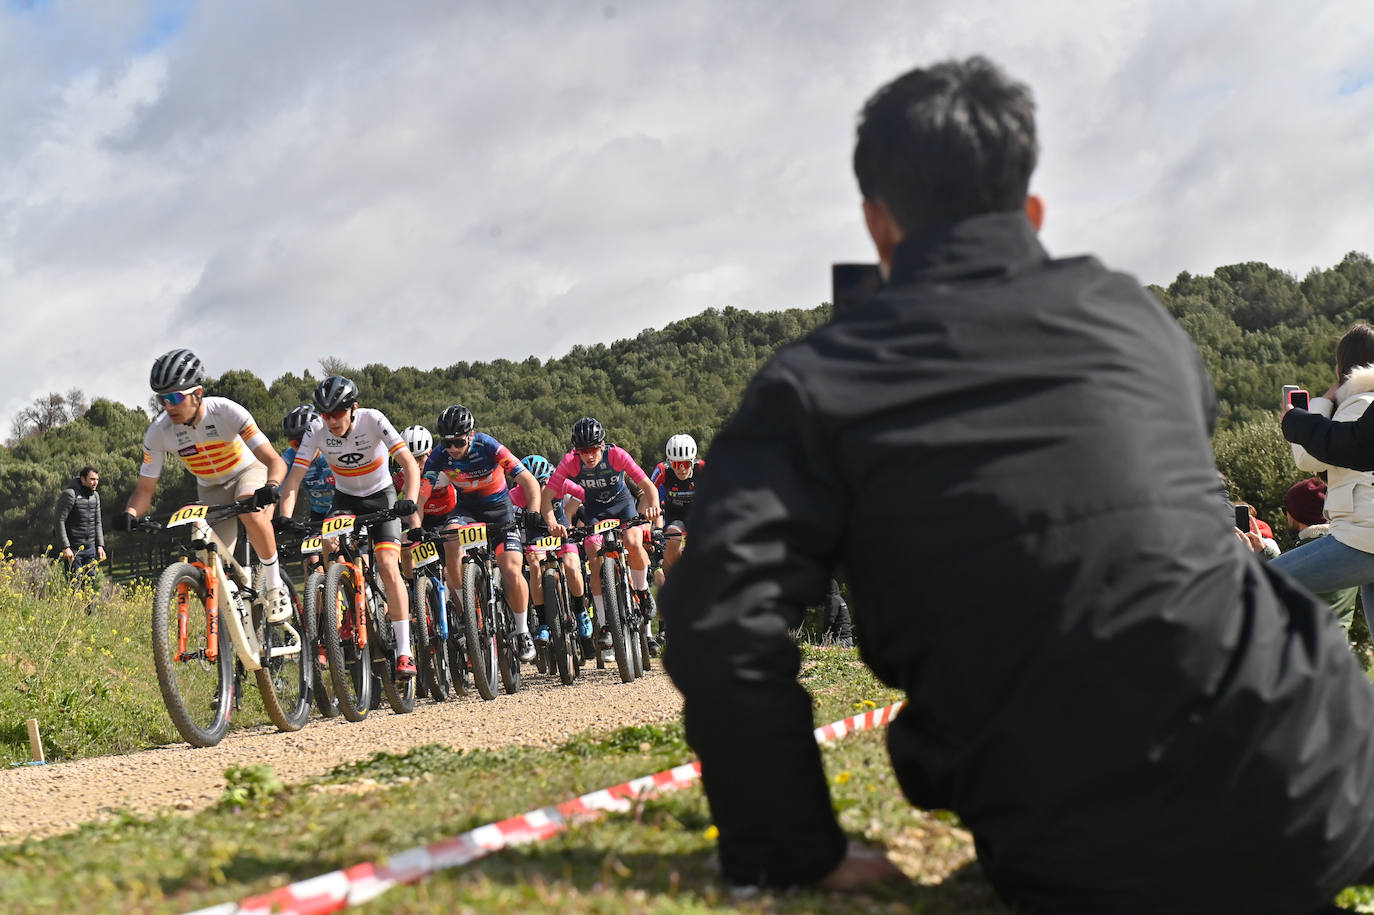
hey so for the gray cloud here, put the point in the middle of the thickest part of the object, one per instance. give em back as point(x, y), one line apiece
point(437, 181)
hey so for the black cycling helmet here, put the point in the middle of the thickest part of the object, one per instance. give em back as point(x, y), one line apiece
point(176, 370)
point(456, 420)
point(335, 393)
point(294, 424)
point(587, 433)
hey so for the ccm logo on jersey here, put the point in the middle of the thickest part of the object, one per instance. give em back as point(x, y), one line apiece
point(352, 459)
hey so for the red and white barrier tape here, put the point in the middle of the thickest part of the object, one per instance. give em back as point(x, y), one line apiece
point(364, 882)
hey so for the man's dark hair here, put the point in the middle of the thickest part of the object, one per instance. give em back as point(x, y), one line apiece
point(947, 142)
point(87, 471)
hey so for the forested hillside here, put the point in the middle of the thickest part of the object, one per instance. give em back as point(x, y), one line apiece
point(1257, 328)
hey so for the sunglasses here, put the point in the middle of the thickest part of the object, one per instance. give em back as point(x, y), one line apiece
point(682, 465)
point(592, 450)
point(176, 397)
point(456, 441)
point(336, 414)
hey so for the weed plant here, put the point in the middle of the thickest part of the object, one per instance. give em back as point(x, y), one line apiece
point(77, 656)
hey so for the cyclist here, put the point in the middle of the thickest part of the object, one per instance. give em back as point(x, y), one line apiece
point(219, 442)
point(676, 479)
point(600, 469)
point(541, 470)
point(356, 441)
point(319, 479)
point(473, 461)
point(437, 495)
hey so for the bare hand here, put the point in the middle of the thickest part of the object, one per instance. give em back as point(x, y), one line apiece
point(650, 511)
point(100, 553)
point(67, 554)
point(555, 528)
point(863, 867)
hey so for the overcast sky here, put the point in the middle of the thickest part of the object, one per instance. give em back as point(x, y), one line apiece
point(418, 183)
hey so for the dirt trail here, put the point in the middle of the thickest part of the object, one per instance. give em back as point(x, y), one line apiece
point(45, 800)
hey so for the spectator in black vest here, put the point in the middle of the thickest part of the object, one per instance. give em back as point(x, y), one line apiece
point(79, 530)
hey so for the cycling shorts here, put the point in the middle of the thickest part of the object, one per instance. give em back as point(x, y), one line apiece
point(502, 531)
point(388, 532)
point(622, 507)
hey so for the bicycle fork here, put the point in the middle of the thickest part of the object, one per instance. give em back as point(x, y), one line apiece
point(211, 650)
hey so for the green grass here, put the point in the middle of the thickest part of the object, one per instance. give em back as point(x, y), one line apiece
point(658, 857)
point(87, 677)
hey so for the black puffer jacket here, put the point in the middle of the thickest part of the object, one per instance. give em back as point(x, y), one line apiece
point(1010, 456)
point(78, 518)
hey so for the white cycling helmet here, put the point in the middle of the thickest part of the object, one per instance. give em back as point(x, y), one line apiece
point(682, 447)
point(418, 440)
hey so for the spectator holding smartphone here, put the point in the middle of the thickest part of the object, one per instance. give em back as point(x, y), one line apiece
point(1345, 559)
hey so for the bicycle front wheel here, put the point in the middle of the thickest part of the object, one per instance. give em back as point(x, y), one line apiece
point(285, 679)
point(610, 581)
point(431, 653)
point(321, 686)
point(480, 629)
point(560, 639)
point(350, 664)
point(195, 671)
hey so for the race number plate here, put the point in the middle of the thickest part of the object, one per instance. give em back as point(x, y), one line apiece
point(311, 545)
point(187, 514)
point(339, 524)
point(547, 543)
point(472, 535)
point(422, 554)
point(605, 525)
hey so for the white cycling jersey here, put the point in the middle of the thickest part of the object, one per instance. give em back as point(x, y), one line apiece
point(216, 450)
point(358, 459)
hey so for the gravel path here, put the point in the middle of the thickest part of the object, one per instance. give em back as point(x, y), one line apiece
point(45, 800)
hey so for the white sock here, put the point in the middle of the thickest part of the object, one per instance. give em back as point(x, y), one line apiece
point(640, 579)
point(402, 630)
point(600, 602)
point(522, 621)
point(271, 573)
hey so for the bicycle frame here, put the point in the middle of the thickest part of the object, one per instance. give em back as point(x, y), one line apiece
point(218, 572)
point(426, 553)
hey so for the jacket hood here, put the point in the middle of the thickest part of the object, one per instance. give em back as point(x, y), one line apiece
point(1361, 381)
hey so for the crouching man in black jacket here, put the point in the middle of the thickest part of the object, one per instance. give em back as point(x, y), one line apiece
point(1128, 711)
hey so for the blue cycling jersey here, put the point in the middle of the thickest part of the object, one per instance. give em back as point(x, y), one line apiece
point(318, 483)
point(480, 475)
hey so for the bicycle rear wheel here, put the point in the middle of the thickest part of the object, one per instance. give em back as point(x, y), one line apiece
point(610, 578)
point(350, 665)
point(285, 679)
point(507, 657)
point(480, 629)
point(322, 685)
point(432, 655)
point(560, 639)
point(196, 689)
point(457, 641)
point(400, 694)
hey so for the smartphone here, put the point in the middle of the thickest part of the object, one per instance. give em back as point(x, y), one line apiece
point(1294, 396)
point(1242, 518)
point(853, 284)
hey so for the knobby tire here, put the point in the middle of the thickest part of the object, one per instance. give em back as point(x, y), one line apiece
point(198, 693)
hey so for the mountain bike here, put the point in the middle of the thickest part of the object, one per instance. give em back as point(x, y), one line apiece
point(623, 618)
point(442, 657)
point(488, 623)
point(313, 607)
point(356, 632)
point(655, 547)
point(208, 613)
point(564, 648)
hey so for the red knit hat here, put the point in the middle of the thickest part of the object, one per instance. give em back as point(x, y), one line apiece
point(1305, 501)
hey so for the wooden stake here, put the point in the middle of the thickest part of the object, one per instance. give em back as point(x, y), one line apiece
point(35, 742)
